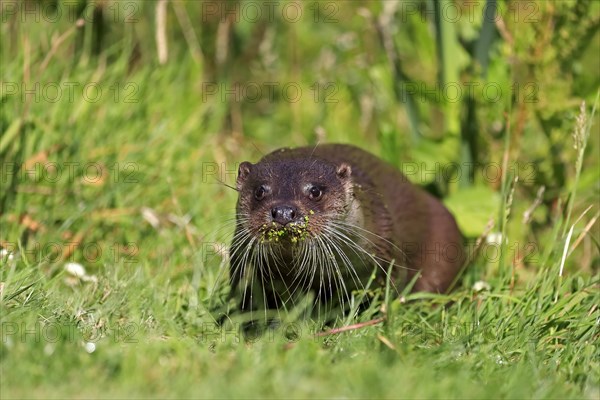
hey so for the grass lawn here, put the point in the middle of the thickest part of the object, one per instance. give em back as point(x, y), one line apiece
point(114, 227)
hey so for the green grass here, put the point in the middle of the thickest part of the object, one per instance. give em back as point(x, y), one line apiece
point(150, 227)
point(150, 341)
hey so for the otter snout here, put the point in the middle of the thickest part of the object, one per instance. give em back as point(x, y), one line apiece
point(284, 214)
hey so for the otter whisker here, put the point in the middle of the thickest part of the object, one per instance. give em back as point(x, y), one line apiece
point(303, 268)
point(356, 229)
point(349, 267)
point(332, 263)
point(351, 245)
point(348, 231)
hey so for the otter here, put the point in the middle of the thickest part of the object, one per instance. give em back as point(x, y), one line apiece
point(330, 219)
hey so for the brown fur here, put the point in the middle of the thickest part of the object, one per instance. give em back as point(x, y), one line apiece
point(407, 225)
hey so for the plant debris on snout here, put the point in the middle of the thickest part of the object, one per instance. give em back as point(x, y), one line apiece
point(294, 232)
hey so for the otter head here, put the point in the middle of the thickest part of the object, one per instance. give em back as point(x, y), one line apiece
point(290, 200)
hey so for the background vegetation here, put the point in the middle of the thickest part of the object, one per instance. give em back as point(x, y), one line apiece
point(118, 119)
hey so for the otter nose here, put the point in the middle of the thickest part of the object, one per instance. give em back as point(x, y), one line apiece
point(283, 214)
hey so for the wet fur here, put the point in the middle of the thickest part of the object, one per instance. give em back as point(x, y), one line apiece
point(369, 216)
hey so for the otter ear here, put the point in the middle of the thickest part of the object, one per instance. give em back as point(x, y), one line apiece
point(344, 171)
point(243, 172)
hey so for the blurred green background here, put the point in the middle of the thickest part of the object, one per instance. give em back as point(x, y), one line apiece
point(436, 88)
point(118, 119)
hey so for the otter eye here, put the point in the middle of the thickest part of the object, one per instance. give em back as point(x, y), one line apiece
point(315, 193)
point(260, 192)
